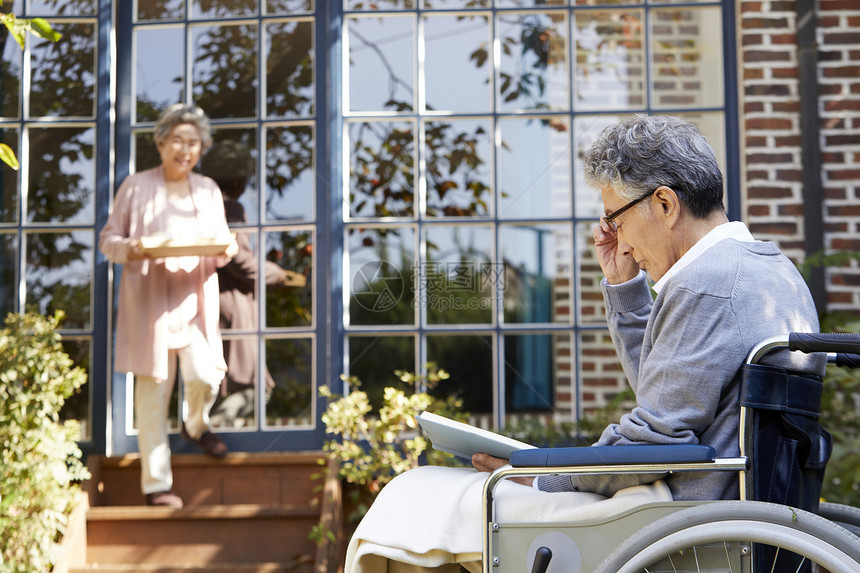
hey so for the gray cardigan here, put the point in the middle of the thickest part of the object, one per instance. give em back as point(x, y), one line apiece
point(682, 354)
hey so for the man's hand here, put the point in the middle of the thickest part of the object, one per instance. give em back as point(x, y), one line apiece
point(488, 463)
point(618, 267)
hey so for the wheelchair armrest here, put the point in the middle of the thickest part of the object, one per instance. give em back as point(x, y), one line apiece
point(612, 455)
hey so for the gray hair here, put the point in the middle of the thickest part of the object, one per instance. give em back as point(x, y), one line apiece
point(643, 152)
point(179, 113)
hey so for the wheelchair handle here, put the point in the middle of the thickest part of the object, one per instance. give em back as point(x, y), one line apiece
point(844, 342)
point(843, 348)
point(847, 360)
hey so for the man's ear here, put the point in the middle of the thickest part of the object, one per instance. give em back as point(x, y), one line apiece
point(669, 204)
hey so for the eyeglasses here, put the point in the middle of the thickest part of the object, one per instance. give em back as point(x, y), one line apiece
point(610, 219)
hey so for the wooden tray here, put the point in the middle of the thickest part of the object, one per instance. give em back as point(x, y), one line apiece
point(184, 246)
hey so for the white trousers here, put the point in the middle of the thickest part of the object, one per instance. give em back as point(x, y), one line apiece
point(201, 380)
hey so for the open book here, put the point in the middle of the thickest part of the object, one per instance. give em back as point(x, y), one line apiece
point(463, 440)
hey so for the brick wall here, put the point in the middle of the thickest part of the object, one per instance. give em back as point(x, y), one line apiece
point(770, 127)
point(839, 80)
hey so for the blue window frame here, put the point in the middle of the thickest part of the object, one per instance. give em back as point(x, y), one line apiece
point(466, 221)
point(255, 68)
point(430, 163)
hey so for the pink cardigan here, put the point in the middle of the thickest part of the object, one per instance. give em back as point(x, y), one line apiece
point(141, 323)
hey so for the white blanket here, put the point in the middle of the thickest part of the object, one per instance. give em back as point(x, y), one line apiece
point(430, 517)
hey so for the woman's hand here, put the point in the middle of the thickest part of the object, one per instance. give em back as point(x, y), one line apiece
point(232, 249)
point(618, 267)
point(488, 463)
point(135, 252)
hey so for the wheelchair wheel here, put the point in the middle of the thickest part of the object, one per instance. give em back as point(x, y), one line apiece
point(737, 535)
point(845, 515)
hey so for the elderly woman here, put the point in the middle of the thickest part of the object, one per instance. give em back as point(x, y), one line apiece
point(718, 293)
point(168, 306)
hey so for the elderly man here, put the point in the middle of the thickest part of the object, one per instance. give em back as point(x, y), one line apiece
point(718, 293)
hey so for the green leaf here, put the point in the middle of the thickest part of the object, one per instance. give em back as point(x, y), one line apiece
point(41, 27)
point(16, 28)
point(7, 156)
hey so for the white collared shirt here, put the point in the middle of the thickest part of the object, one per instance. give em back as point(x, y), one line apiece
point(732, 230)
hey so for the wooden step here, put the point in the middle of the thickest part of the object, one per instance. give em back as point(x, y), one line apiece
point(230, 534)
point(194, 568)
point(245, 513)
point(238, 478)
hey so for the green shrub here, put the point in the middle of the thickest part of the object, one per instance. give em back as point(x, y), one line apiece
point(841, 416)
point(371, 448)
point(41, 460)
point(840, 406)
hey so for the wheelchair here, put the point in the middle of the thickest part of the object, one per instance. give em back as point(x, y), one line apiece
point(777, 525)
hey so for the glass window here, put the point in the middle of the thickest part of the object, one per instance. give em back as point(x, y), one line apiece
point(47, 210)
point(380, 272)
point(145, 153)
point(9, 178)
point(447, 38)
point(252, 66)
point(160, 10)
point(232, 162)
point(237, 405)
point(290, 161)
point(224, 78)
point(62, 7)
point(381, 68)
point(289, 298)
point(467, 219)
point(374, 359)
point(610, 60)
point(459, 230)
point(686, 59)
point(455, 4)
point(159, 73)
point(458, 167)
point(539, 375)
point(290, 62)
point(10, 76)
point(458, 275)
point(59, 275)
point(288, 6)
point(533, 51)
point(537, 277)
point(528, 3)
point(587, 201)
point(78, 406)
point(373, 5)
point(222, 8)
point(8, 273)
point(290, 402)
point(62, 76)
point(62, 175)
point(470, 360)
point(381, 169)
point(589, 296)
point(534, 167)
